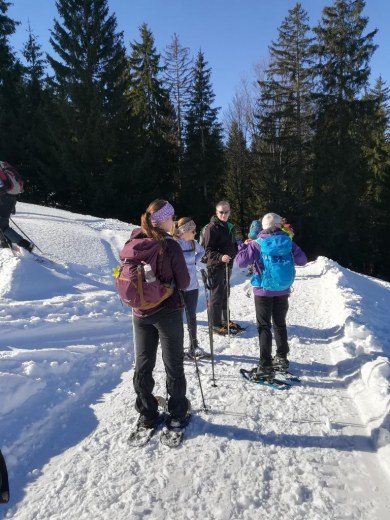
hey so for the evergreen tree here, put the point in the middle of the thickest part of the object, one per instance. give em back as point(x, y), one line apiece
point(90, 121)
point(178, 74)
point(239, 186)
point(283, 143)
point(374, 214)
point(154, 120)
point(343, 52)
point(38, 158)
point(10, 90)
point(203, 166)
point(238, 178)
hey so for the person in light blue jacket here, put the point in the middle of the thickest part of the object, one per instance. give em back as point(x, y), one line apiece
point(185, 231)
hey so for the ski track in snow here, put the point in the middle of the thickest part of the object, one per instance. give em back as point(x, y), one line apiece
point(319, 450)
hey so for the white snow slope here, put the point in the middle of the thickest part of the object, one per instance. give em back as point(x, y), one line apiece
point(320, 450)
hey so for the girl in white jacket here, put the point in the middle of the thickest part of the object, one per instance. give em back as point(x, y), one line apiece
point(185, 232)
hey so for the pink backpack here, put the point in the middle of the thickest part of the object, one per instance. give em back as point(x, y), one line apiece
point(10, 180)
point(131, 284)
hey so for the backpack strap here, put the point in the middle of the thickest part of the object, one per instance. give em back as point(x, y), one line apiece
point(193, 248)
point(257, 264)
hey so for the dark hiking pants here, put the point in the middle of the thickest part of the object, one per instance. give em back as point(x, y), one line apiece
point(219, 294)
point(271, 308)
point(7, 207)
point(191, 302)
point(9, 233)
point(166, 326)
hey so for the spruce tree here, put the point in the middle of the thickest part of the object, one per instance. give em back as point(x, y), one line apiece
point(239, 186)
point(374, 214)
point(10, 90)
point(203, 168)
point(238, 178)
point(343, 51)
point(89, 122)
point(154, 122)
point(37, 150)
point(177, 76)
point(282, 145)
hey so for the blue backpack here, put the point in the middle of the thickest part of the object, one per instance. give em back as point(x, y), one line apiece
point(279, 269)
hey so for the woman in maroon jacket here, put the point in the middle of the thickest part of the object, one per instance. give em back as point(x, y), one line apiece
point(164, 323)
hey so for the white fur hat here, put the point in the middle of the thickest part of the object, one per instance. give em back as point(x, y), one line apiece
point(271, 220)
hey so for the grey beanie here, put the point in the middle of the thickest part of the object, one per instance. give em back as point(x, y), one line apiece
point(271, 220)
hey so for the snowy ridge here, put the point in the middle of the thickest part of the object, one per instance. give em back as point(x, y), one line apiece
point(67, 403)
point(362, 353)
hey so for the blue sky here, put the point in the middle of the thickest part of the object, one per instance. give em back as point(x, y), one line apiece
point(233, 34)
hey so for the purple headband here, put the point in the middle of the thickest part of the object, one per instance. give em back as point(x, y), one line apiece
point(162, 214)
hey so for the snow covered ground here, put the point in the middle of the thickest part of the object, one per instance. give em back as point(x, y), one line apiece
point(319, 450)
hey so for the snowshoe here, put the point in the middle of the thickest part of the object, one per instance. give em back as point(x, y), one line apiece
point(222, 330)
point(265, 380)
point(234, 327)
point(173, 432)
point(144, 431)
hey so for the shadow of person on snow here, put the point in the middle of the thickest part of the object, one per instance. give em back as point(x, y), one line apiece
point(200, 426)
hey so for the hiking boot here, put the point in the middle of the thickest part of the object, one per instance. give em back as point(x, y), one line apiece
point(197, 350)
point(197, 353)
point(280, 363)
point(3, 241)
point(188, 354)
point(29, 246)
point(147, 422)
point(182, 422)
point(264, 371)
point(201, 353)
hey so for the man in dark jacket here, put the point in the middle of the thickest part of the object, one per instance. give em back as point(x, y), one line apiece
point(220, 250)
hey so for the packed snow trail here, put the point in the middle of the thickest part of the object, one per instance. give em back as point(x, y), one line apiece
point(311, 452)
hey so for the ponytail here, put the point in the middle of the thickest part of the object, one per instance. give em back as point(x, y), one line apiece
point(151, 231)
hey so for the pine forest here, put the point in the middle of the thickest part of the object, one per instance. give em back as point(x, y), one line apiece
point(103, 126)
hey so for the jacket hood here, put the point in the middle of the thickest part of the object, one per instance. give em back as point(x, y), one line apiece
point(139, 246)
point(215, 220)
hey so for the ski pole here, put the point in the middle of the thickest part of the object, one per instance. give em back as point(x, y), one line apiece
point(26, 236)
point(227, 301)
point(205, 408)
point(210, 321)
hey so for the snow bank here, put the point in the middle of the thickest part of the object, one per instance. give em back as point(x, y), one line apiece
point(364, 348)
point(66, 352)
